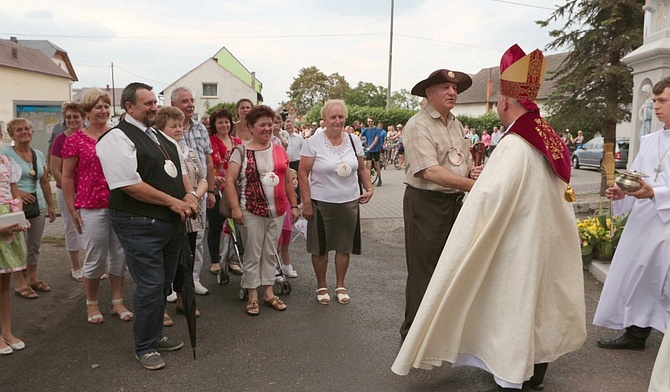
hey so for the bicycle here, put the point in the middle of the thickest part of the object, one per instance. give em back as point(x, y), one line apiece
point(392, 157)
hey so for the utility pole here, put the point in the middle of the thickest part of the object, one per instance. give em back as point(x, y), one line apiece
point(388, 89)
point(113, 92)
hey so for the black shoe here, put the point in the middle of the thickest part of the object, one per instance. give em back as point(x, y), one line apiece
point(534, 387)
point(379, 183)
point(623, 342)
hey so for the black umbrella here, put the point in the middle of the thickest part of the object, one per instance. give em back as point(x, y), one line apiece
point(183, 283)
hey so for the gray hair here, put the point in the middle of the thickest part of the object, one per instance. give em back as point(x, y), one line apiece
point(175, 93)
point(332, 102)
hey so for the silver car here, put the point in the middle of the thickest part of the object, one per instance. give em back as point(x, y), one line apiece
point(591, 154)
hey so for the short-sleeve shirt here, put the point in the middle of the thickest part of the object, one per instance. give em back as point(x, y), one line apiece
point(90, 184)
point(28, 183)
point(369, 134)
point(427, 139)
point(326, 185)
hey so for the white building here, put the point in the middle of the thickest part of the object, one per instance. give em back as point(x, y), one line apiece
point(219, 79)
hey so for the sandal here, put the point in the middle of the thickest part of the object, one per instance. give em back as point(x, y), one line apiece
point(235, 269)
point(76, 274)
point(324, 299)
point(96, 318)
point(125, 315)
point(40, 286)
point(27, 293)
point(275, 303)
point(215, 268)
point(181, 311)
point(167, 320)
point(252, 307)
point(342, 298)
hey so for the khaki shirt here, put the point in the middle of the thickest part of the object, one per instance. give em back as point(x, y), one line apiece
point(427, 139)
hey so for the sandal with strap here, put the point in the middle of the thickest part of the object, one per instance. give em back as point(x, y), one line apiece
point(125, 315)
point(96, 318)
point(275, 303)
point(26, 293)
point(40, 286)
point(167, 320)
point(252, 307)
point(342, 298)
point(324, 299)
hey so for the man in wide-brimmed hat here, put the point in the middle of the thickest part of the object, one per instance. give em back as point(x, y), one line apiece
point(438, 171)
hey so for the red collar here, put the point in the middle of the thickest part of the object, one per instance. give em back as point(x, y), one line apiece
point(539, 134)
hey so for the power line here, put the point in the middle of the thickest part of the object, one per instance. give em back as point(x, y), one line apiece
point(162, 37)
point(452, 43)
point(525, 5)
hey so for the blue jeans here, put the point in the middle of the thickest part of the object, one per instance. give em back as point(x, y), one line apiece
point(152, 248)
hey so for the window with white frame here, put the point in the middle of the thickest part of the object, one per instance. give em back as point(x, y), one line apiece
point(209, 90)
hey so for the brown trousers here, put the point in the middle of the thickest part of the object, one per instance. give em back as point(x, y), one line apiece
point(429, 217)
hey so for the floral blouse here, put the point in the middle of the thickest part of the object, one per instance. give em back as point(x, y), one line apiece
point(90, 184)
point(221, 155)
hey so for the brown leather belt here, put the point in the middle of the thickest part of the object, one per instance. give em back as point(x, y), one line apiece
point(458, 196)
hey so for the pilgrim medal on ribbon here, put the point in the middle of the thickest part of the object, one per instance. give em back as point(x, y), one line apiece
point(170, 169)
point(32, 172)
point(270, 179)
point(343, 170)
point(455, 157)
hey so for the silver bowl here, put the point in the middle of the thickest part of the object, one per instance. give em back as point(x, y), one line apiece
point(628, 181)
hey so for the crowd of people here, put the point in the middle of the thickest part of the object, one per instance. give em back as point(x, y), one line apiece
point(133, 195)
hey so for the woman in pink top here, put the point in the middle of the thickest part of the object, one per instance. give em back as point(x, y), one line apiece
point(486, 139)
point(87, 197)
point(74, 119)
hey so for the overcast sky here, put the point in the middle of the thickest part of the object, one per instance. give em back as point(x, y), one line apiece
point(158, 42)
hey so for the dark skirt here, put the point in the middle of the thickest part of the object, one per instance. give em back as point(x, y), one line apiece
point(335, 226)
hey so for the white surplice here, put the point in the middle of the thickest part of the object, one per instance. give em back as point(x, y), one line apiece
point(637, 289)
point(660, 376)
point(508, 290)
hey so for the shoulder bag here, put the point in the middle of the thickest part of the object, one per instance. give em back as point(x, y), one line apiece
point(32, 210)
point(224, 204)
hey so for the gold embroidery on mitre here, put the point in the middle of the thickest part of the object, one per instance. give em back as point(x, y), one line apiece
point(551, 140)
point(522, 79)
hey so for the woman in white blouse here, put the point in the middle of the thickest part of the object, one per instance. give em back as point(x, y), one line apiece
point(334, 159)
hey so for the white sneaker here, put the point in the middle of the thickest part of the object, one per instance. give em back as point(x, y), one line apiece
point(200, 289)
point(172, 298)
point(289, 271)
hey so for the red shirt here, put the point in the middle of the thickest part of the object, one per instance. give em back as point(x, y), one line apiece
point(221, 155)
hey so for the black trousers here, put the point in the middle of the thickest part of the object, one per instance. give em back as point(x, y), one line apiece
point(429, 217)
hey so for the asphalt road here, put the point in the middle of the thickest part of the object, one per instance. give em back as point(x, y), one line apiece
point(310, 347)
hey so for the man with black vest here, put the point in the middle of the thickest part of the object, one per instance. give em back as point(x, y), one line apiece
point(147, 205)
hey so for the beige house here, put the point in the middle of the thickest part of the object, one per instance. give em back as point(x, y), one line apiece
point(219, 79)
point(33, 86)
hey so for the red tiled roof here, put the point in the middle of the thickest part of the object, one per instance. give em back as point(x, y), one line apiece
point(14, 55)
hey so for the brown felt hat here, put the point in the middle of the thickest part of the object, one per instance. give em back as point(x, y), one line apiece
point(463, 81)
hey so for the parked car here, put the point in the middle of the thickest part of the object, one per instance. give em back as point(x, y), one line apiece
point(591, 154)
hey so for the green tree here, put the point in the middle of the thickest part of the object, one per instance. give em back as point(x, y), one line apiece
point(312, 87)
point(593, 86)
point(308, 88)
point(223, 105)
point(405, 100)
point(367, 94)
point(339, 88)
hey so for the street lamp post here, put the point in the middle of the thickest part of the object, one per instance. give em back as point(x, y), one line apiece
point(388, 89)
